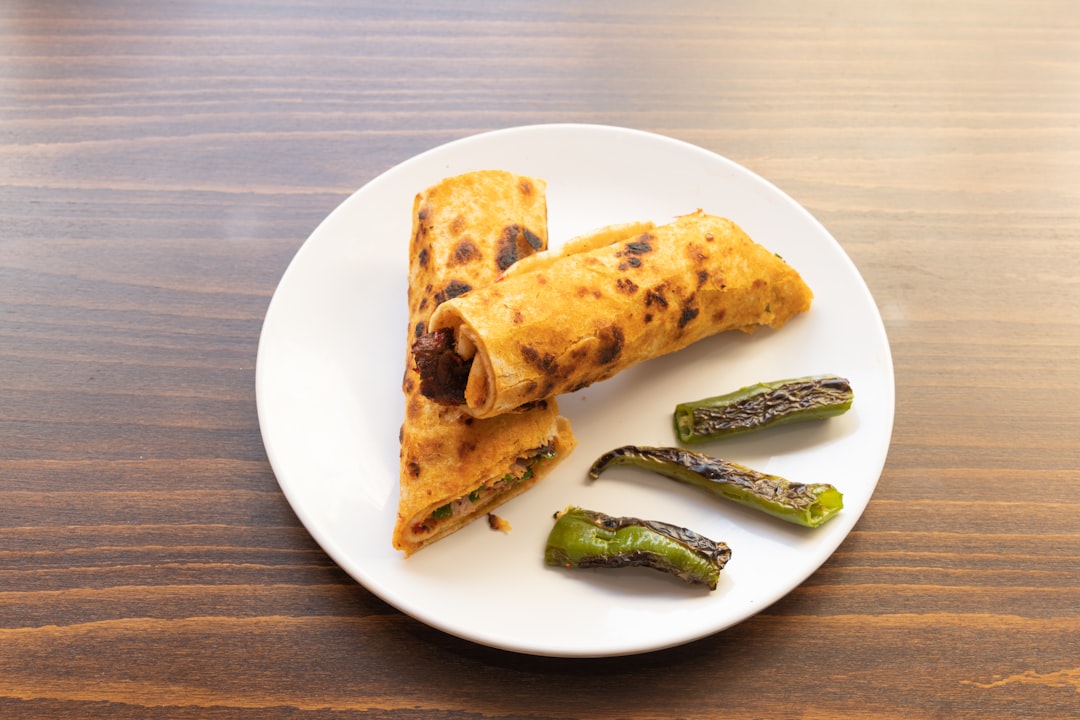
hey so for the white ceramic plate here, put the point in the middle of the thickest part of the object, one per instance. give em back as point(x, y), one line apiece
point(329, 400)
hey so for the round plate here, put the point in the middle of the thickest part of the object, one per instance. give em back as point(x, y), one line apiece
point(331, 357)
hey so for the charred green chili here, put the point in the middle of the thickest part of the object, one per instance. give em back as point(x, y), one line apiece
point(809, 505)
point(763, 405)
point(584, 538)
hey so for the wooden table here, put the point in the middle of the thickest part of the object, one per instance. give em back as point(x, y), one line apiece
point(160, 164)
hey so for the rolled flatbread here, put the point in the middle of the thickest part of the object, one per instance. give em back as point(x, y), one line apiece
point(466, 231)
point(584, 316)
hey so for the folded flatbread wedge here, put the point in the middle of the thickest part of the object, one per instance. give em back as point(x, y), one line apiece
point(466, 231)
point(567, 321)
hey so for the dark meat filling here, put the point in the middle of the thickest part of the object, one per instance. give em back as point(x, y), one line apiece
point(443, 373)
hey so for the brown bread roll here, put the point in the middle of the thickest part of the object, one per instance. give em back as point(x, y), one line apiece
point(585, 315)
point(467, 230)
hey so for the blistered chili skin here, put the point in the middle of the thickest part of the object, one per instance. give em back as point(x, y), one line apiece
point(761, 406)
point(443, 373)
point(588, 539)
point(802, 504)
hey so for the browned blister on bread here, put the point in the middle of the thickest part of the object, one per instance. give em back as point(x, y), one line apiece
point(467, 231)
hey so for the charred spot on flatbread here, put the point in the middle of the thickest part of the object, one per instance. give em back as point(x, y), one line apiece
point(535, 241)
point(611, 344)
point(507, 249)
point(464, 251)
point(633, 250)
point(533, 405)
point(655, 296)
point(544, 363)
point(689, 312)
point(422, 257)
point(421, 232)
point(515, 242)
point(642, 245)
point(453, 289)
point(583, 290)
point(627, 285)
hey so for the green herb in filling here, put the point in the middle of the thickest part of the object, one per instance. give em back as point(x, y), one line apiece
point(446, 510)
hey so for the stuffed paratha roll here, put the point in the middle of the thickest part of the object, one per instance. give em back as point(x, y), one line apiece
point(466, 231)
point(588, 315)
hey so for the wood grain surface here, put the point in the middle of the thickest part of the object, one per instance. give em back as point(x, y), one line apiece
point(160, 164)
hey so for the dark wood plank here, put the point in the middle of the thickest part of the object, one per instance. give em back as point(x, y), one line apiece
point(160, 164)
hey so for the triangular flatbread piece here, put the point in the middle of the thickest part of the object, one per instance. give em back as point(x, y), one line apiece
point(467, 230)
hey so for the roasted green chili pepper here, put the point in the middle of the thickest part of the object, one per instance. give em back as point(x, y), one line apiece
point(589, 539)
point(809, 505)
point(764, 405)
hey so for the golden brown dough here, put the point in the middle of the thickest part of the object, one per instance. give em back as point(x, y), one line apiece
point(467, 230)
point(587, 315)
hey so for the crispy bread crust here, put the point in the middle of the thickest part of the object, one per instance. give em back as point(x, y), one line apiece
point(467, 230)
point(588, 315)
